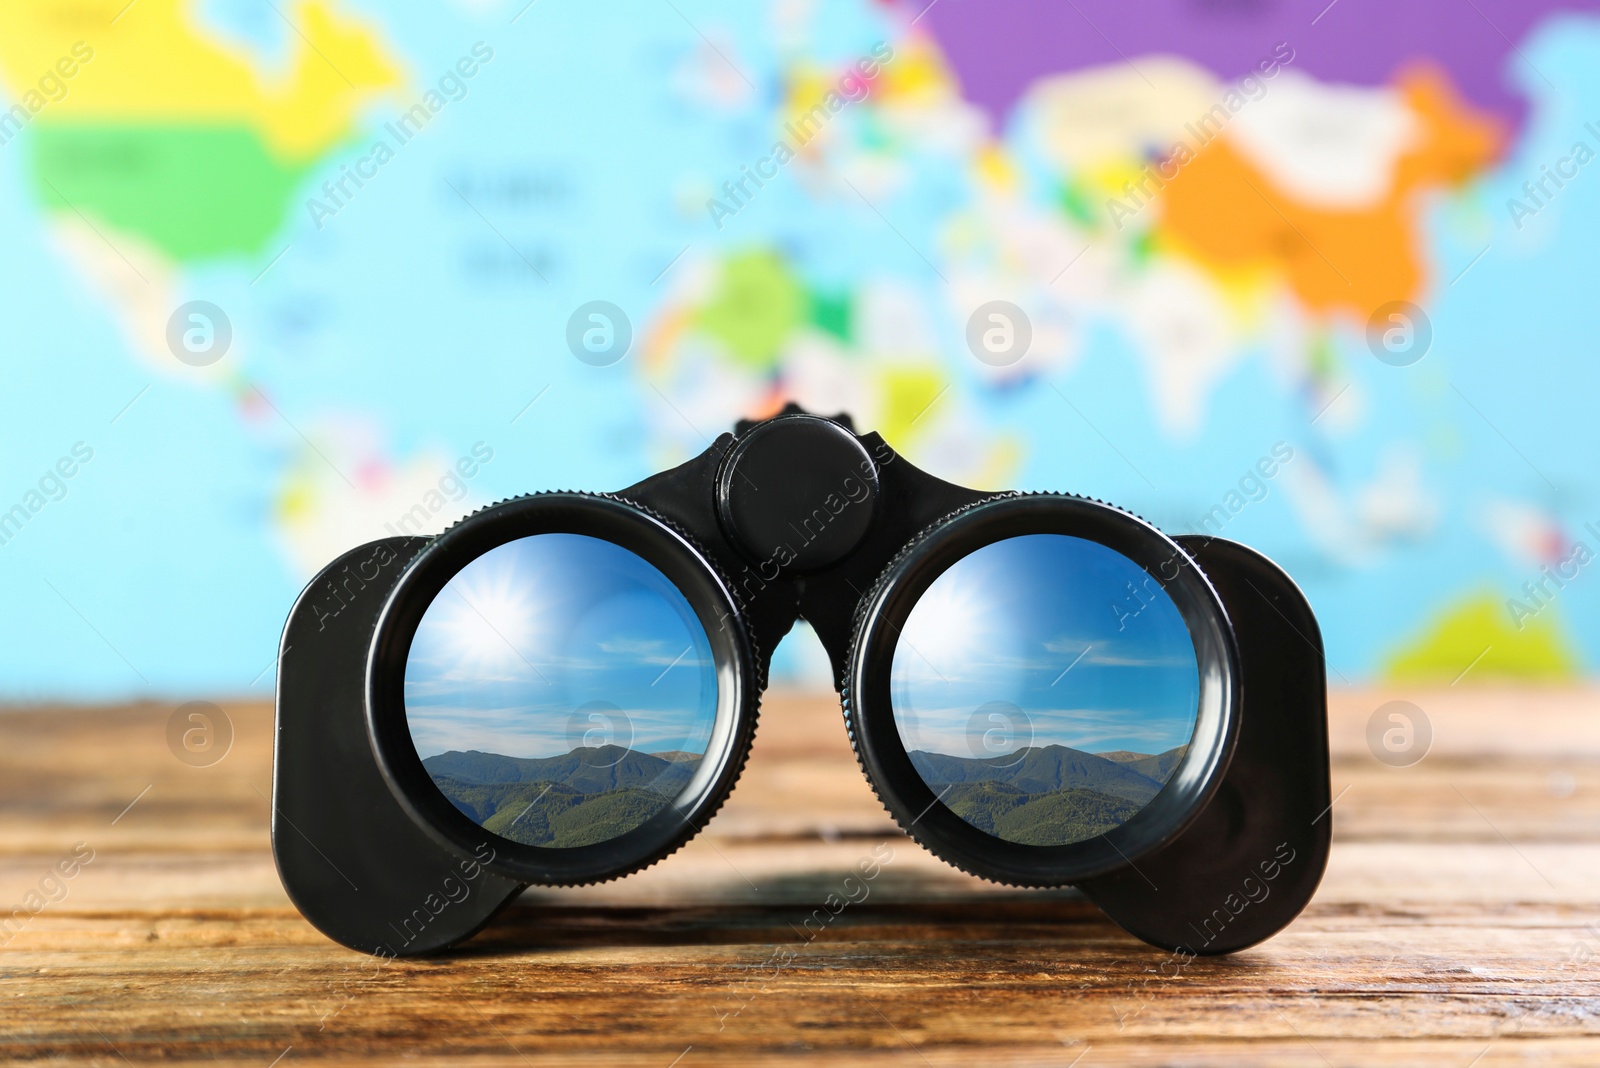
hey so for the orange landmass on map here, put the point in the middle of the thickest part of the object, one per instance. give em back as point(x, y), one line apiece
point(1222, 211)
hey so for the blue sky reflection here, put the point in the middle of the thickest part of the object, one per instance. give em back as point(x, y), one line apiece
point(1051, 624)
point(533, 629)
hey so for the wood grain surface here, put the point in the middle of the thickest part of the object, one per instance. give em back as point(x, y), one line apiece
point(1458, 924)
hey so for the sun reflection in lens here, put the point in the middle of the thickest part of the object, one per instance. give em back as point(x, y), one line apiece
point(490, 615)
point(957, 613)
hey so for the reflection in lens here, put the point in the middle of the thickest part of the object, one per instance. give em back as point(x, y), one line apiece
point(1045, 688)
point(560, 690)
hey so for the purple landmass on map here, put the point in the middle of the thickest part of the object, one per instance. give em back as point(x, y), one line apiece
point(998, 48)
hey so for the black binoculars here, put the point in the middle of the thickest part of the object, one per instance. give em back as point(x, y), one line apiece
point(562, 688)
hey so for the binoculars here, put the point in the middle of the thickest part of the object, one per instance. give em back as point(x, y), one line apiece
point(562, 688)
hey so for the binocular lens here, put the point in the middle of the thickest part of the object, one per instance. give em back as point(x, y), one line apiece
point(560, 691)
point(1045, 687)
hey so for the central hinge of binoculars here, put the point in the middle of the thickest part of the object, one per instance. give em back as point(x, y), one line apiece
point(798, 490)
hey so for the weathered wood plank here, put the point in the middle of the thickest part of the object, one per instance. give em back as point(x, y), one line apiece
point(1458, 920)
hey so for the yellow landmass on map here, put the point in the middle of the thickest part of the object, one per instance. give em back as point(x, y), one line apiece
point(154, 64)
point(1475, 638)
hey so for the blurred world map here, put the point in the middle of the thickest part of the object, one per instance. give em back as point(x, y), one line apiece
point(282, 277)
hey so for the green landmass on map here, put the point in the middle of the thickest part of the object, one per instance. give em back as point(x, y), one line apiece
point(193, 192)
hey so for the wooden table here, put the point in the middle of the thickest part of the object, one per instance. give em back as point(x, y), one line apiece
point(1459, 923)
